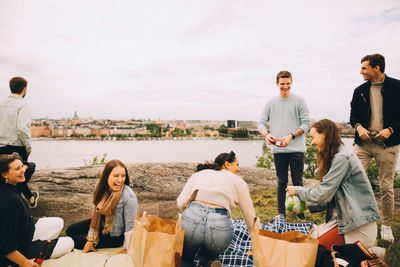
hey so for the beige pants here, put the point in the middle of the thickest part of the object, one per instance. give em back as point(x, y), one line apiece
point(386, 159)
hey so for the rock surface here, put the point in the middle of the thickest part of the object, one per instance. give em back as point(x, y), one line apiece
point(67, 193)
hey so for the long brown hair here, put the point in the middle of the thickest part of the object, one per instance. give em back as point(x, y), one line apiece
point(102, 185)
point(332, 143)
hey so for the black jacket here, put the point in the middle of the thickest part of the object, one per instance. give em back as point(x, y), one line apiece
point(16, 224)
point(361, 109)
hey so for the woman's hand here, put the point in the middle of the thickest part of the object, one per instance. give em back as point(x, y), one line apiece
point(30, 263)
point(291, 190)
point(122, 251)
point(89, 246)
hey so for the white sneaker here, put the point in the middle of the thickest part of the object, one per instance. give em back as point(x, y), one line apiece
point(386, 233)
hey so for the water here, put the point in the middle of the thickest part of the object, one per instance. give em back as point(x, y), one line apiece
point(71, 153)
point(61, 154)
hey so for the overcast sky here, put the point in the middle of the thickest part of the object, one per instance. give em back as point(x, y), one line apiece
point(189, 59)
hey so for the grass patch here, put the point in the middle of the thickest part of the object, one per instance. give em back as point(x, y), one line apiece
point(266, 207)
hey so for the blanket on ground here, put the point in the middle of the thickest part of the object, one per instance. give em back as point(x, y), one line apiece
point(102, 258)
point(235, 255)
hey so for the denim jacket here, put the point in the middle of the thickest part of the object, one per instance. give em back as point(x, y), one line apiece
point(124, 212)
point(347, 184)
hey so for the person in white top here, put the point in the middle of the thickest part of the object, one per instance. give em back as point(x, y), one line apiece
point(208, 198)
point(15, 132)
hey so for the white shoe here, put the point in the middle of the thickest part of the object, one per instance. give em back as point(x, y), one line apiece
point(378, 251)
point(386, 233)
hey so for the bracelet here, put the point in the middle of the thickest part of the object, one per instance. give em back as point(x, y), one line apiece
point(293, 136)
point(391, 130)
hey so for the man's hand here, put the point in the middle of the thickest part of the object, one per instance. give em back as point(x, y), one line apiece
point(383, 135)
point(291, 190)
point(89, 246)
point(286, 140)
point(270, 139)
point(363, 133)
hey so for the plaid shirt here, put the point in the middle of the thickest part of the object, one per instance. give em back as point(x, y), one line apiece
point(235, 254)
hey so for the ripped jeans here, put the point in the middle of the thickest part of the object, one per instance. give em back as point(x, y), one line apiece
point(208, 233)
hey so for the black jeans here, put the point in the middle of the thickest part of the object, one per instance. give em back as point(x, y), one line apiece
point(22, 187)
point(78, 232)
point(282, 163)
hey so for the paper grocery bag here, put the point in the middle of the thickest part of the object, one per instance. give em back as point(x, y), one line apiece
point(157, 242)
point(285, 249)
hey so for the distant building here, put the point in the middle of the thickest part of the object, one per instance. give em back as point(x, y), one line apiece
point(41, 131)
point(246, 124)
point(75, 117)
point(82, 131)
point(231, 123)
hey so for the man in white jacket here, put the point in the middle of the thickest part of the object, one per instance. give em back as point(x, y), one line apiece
point(15, 131)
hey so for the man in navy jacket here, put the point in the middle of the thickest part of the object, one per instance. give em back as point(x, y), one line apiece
point(375, 114)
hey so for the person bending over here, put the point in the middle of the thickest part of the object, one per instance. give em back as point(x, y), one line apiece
point(114, 212)
point(345, 191)
point(21, 236)
point(208, 198)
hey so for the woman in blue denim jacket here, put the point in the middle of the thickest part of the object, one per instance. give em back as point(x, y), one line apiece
point(114, 212)
point(208, 198)
point(345, 191)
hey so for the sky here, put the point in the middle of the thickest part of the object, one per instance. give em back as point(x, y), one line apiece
point(208, 59)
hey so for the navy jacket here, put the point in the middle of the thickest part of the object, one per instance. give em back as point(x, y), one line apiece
point(361, 108)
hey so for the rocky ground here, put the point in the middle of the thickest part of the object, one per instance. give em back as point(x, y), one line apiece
point(67, 193)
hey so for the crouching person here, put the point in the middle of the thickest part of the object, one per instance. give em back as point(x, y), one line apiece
point(22, 238)
point(208, 198)
point(114, 212)
point(345, 191)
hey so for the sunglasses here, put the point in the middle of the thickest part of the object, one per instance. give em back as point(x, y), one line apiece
point(231, 156)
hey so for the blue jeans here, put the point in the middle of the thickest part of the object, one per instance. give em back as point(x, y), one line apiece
point(208, 233)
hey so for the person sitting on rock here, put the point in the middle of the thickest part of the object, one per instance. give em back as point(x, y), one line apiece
point(114, 211)
point(344, 192)
point(22, 237)
point(208, 198)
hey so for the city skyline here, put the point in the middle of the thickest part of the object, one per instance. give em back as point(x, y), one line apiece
point(207, 60)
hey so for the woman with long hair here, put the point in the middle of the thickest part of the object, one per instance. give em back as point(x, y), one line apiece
point(115, 207)
point(344, 191)
point(208, 198)
point(22, 237)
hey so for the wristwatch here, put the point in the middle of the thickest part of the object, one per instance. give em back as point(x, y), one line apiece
point(293, 136)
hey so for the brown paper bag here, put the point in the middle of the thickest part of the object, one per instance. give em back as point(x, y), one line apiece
point(157, 242)
point(284, 250)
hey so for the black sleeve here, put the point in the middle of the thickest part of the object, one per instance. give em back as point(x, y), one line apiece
point(354, 112)
point(9, 226)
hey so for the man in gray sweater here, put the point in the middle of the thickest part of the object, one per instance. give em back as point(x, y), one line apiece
point(288, 118)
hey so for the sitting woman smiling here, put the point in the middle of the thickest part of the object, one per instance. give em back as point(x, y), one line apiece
point(22, 237)
point(114, 212)
point(345, 191)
